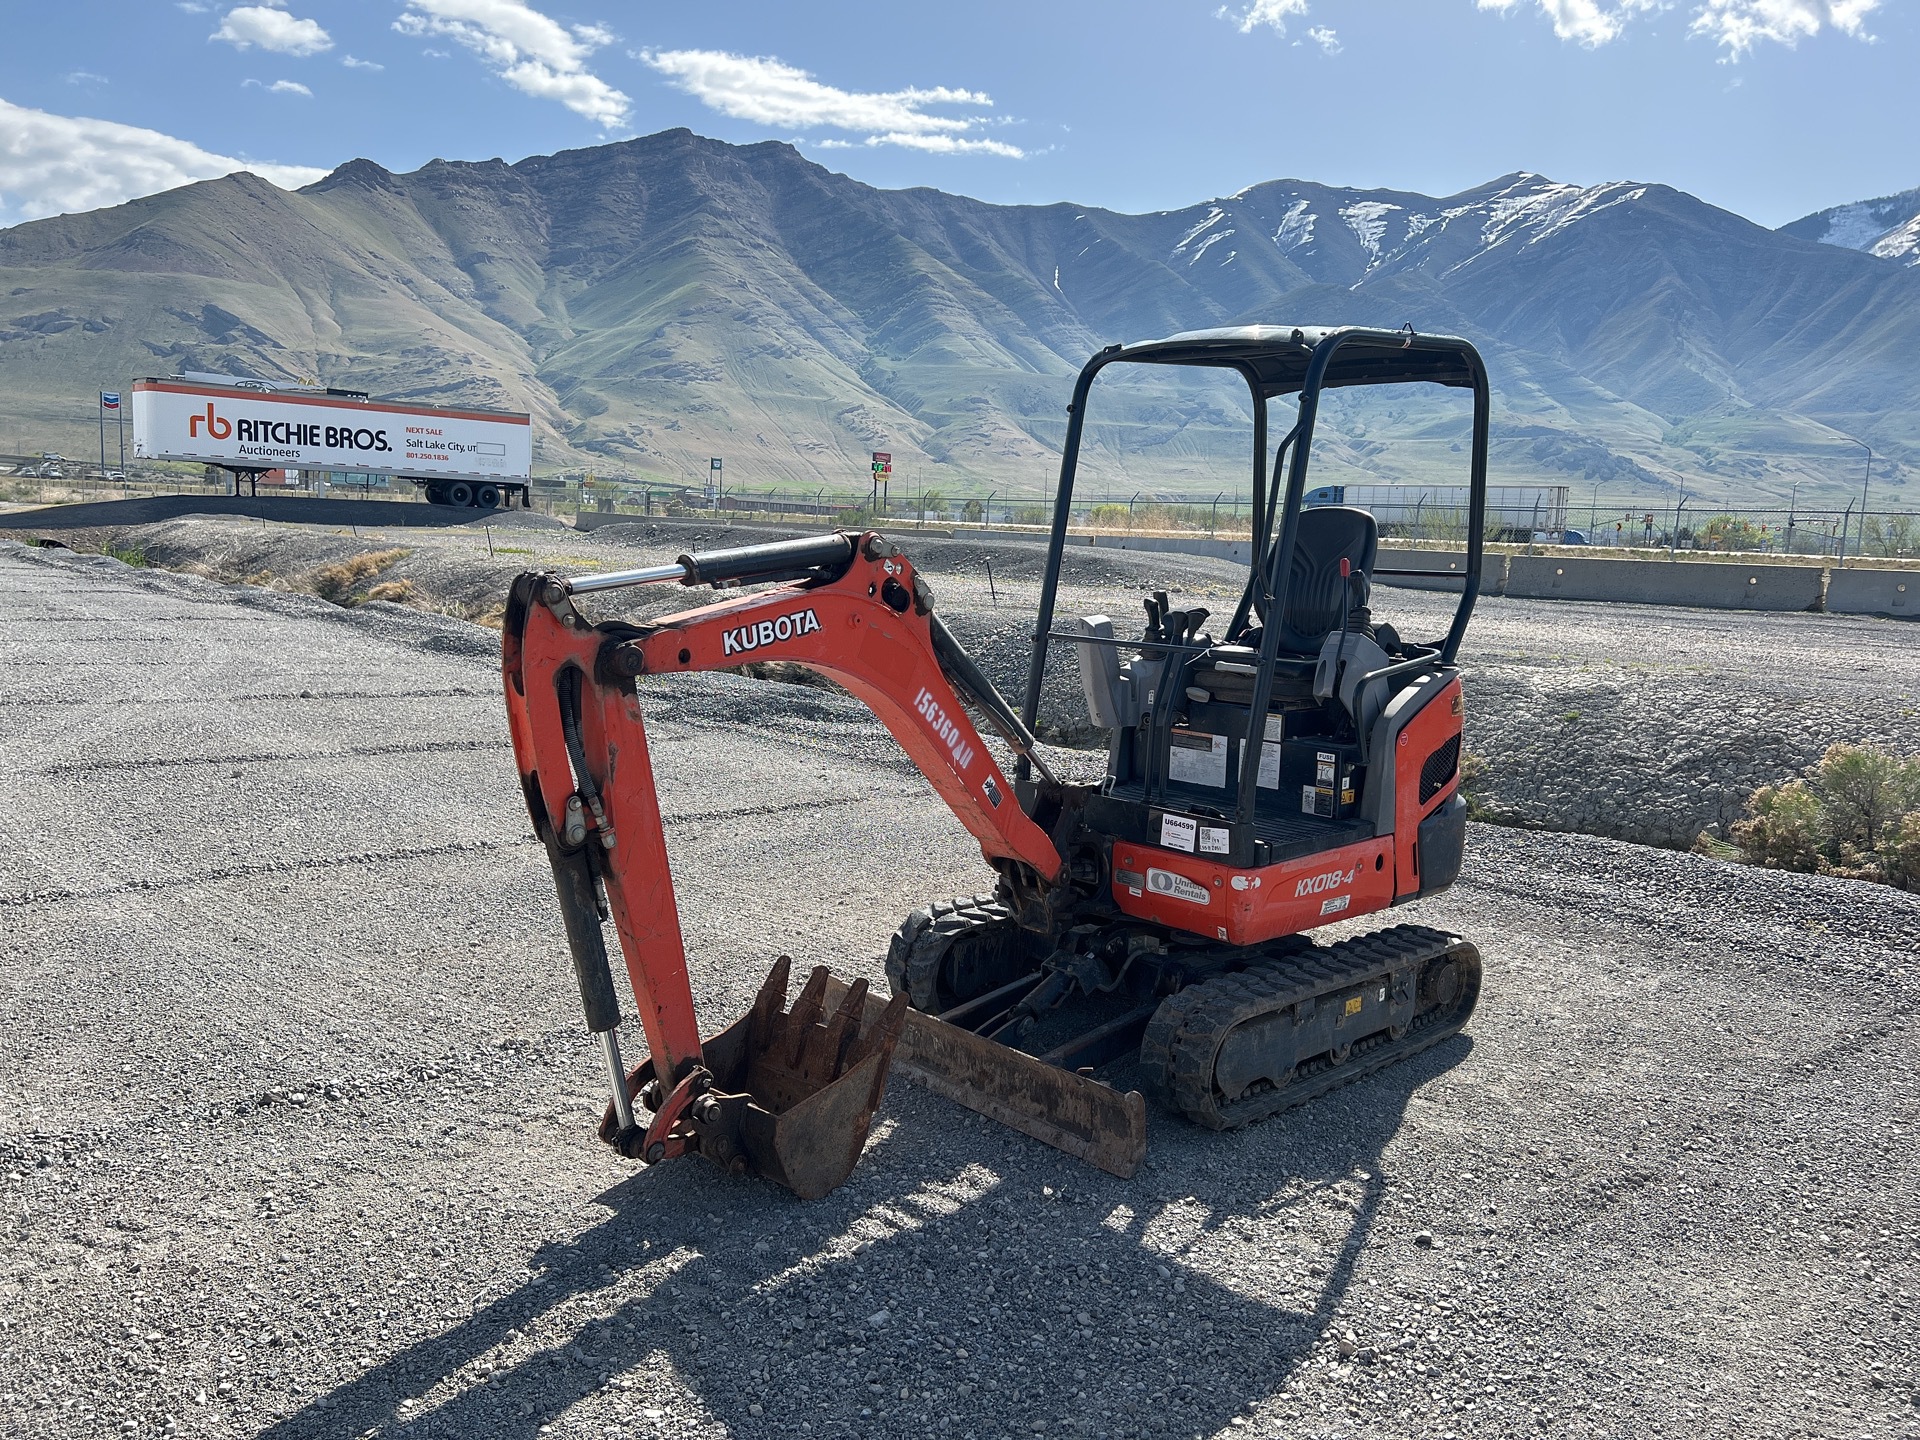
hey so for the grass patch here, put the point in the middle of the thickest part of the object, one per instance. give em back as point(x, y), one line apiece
point(336, 582)
point(1855, 814)
point(397, 592)
point(127, 555)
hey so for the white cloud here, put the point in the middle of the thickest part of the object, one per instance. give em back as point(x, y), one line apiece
point(354, 63)
point(289, 87)
point(85, 77)
point(272, 28)
point(1590, 22)
point(532, 52)
point(1739, 25)
point(1736, 25)
point(770, 92)
point(1274, 14)
point(50, 164)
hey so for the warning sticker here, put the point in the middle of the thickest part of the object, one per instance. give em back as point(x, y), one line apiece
point(1335, 905)
point(1196, 758)
point(1269, 777)
point(1177, 832)
point(1165, 882)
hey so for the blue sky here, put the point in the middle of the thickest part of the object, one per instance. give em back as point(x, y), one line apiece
point(1771, 108)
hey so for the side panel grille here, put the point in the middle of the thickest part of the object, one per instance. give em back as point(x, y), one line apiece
point(1442, 765)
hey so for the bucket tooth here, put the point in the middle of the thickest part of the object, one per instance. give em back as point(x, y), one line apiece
point(772, 998)
point(806, 1014)
point(842, 1028)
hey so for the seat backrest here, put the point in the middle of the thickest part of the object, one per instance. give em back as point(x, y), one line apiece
point(1328, 534)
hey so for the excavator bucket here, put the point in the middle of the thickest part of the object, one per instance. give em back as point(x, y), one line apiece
point(788, 1095)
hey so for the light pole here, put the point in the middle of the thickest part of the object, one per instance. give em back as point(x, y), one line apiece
point(1864, 481)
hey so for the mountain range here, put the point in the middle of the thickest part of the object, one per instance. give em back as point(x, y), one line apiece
point(662, 300)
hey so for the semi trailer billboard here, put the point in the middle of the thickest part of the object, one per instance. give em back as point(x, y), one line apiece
point(462, 457)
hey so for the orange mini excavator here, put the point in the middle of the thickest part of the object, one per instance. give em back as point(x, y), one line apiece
point(1300, 767)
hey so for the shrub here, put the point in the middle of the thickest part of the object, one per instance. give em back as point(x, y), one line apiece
point(1857, 814)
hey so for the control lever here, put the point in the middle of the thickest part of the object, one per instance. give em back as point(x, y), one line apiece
point(1156, 605)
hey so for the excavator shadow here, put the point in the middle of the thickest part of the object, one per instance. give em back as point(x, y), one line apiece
point(966, 1281)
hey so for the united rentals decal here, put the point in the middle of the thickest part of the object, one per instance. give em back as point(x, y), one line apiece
point(768, 632)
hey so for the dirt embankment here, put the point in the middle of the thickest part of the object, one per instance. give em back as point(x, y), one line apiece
point(1638, 723)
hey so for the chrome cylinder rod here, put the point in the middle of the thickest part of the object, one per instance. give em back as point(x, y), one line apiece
point(619, 579)
point(616, 1067)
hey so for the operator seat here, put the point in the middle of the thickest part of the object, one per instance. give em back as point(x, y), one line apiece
point(1314, 607)
point(1317, 594)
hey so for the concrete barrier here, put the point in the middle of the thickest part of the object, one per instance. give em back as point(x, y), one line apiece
point(1875, 592)
point(1447, 569)
point(289, 509)
point(1700, 583)
point(1237, 551)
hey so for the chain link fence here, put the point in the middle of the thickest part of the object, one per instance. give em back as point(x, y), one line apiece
point(1664, 525)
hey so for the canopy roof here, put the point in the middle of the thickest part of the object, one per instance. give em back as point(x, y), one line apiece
point(1278, 356)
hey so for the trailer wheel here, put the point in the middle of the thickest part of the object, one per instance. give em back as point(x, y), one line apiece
point(487, 497)
point(436, 494)
point(460, 493)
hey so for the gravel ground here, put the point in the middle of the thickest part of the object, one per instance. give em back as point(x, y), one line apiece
point(1638, 723)
point(298, 1133)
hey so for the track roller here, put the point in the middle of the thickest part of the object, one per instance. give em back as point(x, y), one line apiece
point(1239, 1047)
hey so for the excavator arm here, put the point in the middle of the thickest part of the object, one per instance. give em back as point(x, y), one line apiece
point(788, 1095)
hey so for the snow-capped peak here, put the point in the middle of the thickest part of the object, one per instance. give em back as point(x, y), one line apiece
point(1888, 227)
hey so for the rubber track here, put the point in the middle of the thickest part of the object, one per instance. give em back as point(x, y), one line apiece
point(920, 945)
point(1177, 1053)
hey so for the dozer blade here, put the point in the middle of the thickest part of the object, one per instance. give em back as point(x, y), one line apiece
point(1089, 1120)
point(788, 1095)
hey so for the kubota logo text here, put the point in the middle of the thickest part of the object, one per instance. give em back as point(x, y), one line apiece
point(935, 716)
point(766, 632)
